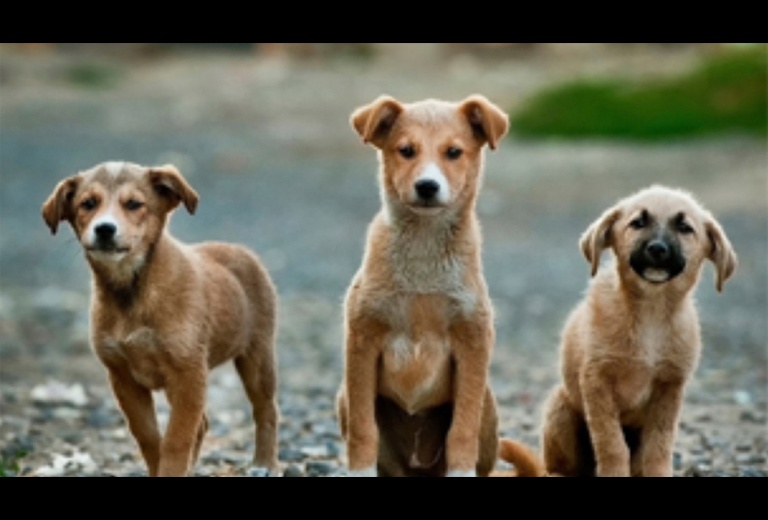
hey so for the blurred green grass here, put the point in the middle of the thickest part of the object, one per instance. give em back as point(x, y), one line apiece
point(92, 75)
point(727, 93)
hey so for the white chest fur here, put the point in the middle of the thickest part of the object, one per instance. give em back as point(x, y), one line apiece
point(416, 371)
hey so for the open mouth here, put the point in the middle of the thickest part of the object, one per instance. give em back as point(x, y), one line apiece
point(657, 261)
point(657, 274)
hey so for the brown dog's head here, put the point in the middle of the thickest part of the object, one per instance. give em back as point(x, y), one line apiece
point(117, 209)
point(430, 151)
point(660, 235)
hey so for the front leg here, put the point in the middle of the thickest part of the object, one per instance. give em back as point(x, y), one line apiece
point(138, 408)
point(363, 345)
point(660, 429)
point(186, 397)
point(471, 344)
point(602, 415)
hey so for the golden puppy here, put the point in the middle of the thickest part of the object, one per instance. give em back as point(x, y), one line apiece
point(164, 313)
point(415, 398)
point(631, 345)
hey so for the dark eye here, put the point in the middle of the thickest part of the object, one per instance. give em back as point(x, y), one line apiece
point(453, 153)
point(89, 204)
point(684, 228)
point(639, 222)
point(407, 151)
point(133, 205)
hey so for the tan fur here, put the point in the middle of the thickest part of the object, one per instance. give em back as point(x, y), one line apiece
point(527, 462)
point(415, 398)
point(630, 346)
point(164, 313)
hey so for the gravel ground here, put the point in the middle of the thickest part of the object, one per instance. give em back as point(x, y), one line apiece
point(268, 146)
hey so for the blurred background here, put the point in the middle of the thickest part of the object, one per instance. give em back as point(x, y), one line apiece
point(262, 133)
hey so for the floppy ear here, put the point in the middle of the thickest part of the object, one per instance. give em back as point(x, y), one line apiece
point(488, 122)
point(170, 184)
point(721, 254)
point(58, 206)
point(373, 122)
point(598, 236)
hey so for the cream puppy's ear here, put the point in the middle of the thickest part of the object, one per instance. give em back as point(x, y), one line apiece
point(721, 254)
point(58, 206)
point(171, 185)
point(374, 121)
point(598, 237)
point(489, 123)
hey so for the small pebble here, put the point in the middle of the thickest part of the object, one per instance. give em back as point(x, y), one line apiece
point(102, 417)
point(293, 471)
point(742, 397)
point(749, 458)
point(750, 416)
point(315, 451)
point(257, 472)
point(319, 468)
point(291, 455)
point(750, 472)
point(677, 461)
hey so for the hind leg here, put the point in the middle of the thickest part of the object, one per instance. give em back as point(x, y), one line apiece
point(257, 372)
point(341, 412)
point(489, 436)
point(201, 431)
point(563, 441)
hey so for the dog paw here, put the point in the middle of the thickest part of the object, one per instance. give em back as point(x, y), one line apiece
point(660, 470)
point(461, 473)
point(613, 472)
point(367, 472)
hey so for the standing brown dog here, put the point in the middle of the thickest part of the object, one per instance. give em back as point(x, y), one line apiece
point(415, 398)
point(164, 313)
point(631, 345)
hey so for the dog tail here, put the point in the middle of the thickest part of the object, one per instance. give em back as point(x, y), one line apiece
point(527, 462)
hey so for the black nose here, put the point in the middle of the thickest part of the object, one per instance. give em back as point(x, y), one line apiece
point(657, 250)
point(105, 231)
point(427, 188)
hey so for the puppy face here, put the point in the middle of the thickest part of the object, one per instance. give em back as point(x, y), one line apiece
point(660, 235)
point(430, 151)
point(118, 210)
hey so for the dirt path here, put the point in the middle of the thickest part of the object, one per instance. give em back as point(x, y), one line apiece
point(268, 146)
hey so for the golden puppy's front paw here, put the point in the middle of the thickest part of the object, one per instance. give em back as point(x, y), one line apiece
point(366, 472)
point(614, 469)
point(658, 469)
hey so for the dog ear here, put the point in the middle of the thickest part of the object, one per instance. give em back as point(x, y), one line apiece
point(374, 121)
point(598, 236)
point(489, 123)
point(721, 253)
point(170, 184)
point(58, 206)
